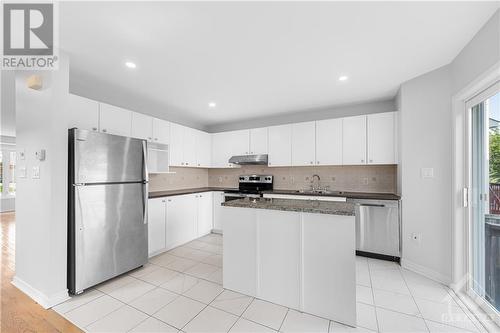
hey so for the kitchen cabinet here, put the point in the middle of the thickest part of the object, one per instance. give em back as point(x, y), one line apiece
point(221, 150)
point(115, 120)
point(278, 251)
point(84, 113)
point(329, 142)
point(258, 141)
point(381, 142)
point(218, 199)
point(304, 143)
point(354, 140)
point(181, 226)
point(156, 225)
point(161, 131)
point(280, 145)
point(189, 146)
point(176, 136)
point(142, 126)
point(240, 142)
point(203, 149)
point(205, 213)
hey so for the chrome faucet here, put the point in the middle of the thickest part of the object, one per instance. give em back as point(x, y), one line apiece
point(317, 187)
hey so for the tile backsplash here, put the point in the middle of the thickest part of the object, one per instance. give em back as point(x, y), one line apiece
point(178, 179)
point(369, 178)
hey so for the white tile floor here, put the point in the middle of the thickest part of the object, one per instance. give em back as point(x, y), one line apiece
point(181, 290)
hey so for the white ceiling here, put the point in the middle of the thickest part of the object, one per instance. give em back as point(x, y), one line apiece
point(258, 59)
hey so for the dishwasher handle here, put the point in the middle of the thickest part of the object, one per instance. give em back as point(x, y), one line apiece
point(370, 205)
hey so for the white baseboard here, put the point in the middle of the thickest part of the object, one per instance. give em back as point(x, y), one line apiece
point(429, 273)
point(46, 301)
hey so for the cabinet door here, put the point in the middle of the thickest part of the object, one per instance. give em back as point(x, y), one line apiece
point(278, 235)
point(280, 145)
point(221, 150)
point(156, 225)
point(240, 142)
point(142, 126)
point(203, 149)
point(205, 213)
point(176, 138)
point(189, 146)
point(329, 142)
point(303, 143)
point(381, 133)
point(115, 120)
point(84, 113)
point(181, 220)
point(258, 141)
point(218, 199)
point(354, 140)
point(161, 131)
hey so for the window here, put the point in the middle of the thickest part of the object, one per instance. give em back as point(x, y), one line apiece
point(7, 172)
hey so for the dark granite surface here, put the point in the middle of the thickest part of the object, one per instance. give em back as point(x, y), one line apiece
point(349, 195)
point(159, 194)
point(292, 205)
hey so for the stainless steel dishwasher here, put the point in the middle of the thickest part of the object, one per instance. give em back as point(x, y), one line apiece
point(378, 230)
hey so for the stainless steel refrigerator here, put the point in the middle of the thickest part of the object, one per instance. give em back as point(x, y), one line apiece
point(107, 207)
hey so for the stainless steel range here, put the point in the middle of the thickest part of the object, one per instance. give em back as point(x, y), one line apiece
point(250, 186)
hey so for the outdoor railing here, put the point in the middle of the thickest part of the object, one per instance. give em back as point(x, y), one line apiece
point(494, 198)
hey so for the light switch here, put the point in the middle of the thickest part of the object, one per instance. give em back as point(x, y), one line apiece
point(22, 154)
point(40, 155)
point(36, 172)
point(427, 172)
point(21, 172)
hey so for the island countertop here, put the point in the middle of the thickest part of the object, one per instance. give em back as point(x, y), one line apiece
point(291, 205)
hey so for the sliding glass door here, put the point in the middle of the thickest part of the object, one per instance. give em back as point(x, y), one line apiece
point(484, 193)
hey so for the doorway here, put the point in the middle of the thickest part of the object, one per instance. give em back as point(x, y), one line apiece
point(484, 198)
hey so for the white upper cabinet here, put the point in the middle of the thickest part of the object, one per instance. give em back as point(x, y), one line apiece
point(221, 150)
point(115, 120)
point(258, 141)
point(142, 126)
point(354, 140)
point(329, 142)
point(176, 136)
point(203, 149)
point(240, 142)
point(280, 145)
point(84, 113)
point(161, 131)
point(381, 133)
point(303, 143)
point(189, 146)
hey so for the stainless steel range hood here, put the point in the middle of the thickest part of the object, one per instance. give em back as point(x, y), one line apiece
point(260, 159)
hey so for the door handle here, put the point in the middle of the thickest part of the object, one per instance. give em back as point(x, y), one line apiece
point(370, 205)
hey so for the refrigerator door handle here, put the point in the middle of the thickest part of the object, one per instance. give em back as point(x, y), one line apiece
point(145, 158)
point(146, 180)
point(146, 195)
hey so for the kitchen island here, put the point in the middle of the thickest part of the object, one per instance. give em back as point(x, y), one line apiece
point(296, 253)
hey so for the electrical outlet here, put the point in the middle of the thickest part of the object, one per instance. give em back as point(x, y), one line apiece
point(364, 181)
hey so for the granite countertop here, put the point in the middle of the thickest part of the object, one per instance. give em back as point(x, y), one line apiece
point(169, 193)
point(349, 195)
point(291, 205)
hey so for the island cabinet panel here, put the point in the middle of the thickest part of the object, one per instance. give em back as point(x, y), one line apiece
point(278, 256)
point(240, 252)
point(329, 271)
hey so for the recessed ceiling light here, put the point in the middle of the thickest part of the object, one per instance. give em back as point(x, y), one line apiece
point(343, 78)
point(212, 105)
point(130, 64)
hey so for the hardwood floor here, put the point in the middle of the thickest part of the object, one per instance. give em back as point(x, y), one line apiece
point(19, 313)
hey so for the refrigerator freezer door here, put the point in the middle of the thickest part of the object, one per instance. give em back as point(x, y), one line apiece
point(106, 158)
point(110, 231)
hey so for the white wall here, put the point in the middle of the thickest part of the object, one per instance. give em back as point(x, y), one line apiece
point(41, 221)
point(426, 141)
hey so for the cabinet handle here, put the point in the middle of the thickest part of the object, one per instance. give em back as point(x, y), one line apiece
point(182, 163)
point(362, 161)
point(311, 162)
point(317, 162)
point(94, 129)
point(104, 130)
point(371, 161)
point(187, 163)
point(156, 139)
point(246, 153)
point(169, 200)
point(149, 138)
point(163, 201)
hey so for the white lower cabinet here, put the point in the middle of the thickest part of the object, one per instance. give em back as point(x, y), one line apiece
point(205, 213)
point(176, 220)
point(278, 255)
point(156, 225)
point(218, 211)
